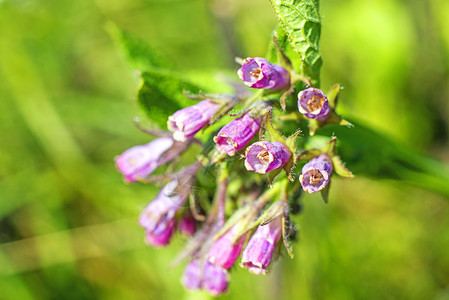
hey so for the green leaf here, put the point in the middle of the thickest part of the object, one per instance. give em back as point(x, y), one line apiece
point(300, 20)
point(161, 94)
point(139, 54)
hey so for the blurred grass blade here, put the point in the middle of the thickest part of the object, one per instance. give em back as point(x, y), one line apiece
point(68, 246)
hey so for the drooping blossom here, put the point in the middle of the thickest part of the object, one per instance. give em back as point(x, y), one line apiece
point(313, 103)
point(226, 249)
point(192, 277)
point(158, 218)
point(263, 157)
point(205, 275)
point(140, 161)
point(236, 134)
point(316, 173)
point(259, 250)
point(259, 73)
point(216, 279)
point(186, 122)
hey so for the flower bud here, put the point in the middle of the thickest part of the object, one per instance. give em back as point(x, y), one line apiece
point(215, 279)
point(259, 250)
point(187, 121)
point(187, 225)
point(158, 217)
point(236, 134)
point(226, 249)
point(263, 157)
point(161, 235)
point(259, 73)
point(316, 173)
point(140, 161)
point(313, 104)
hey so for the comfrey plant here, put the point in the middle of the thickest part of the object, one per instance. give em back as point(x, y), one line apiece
point(234, 199)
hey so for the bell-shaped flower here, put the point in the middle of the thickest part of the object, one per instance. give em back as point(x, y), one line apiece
point(259, 73)
point(215, 279)
point(263, 157)
point(187, 121)
point(198, 275)
point(158, 217)
point(226, 249)
point(192, 277)
point(316, 173)
point(313, 103)
point(140, 161)
point(259, 250)
point(236, 134)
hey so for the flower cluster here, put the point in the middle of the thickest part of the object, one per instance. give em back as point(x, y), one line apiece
point(259, 219)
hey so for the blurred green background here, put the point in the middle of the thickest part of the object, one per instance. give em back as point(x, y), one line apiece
point(68, 223)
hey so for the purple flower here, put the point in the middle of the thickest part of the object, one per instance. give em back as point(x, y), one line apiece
point(226, 249)
point(187, 121)
point(316, 173)
point(259, 73)
point(236, 134)
point(259, 250)
point(140, 161)
point(215, 279)
point(210, 277)
point(193, 276)
point(158, 217)
point(263, 157)
point(187, 226)
point(313, 104)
